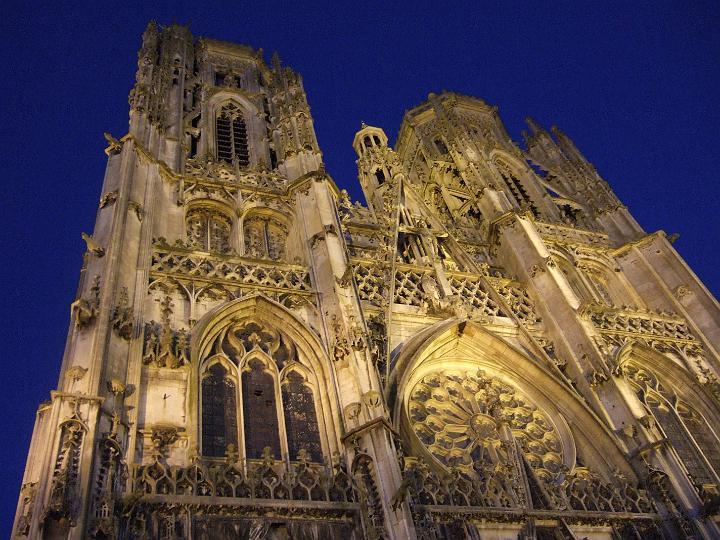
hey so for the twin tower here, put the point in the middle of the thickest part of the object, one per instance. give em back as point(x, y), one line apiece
point(491, 347)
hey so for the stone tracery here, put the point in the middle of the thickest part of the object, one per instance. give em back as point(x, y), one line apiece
point(257, 366)
point(208, 230)
point(459, 417)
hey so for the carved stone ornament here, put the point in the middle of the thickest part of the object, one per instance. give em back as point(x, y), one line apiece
point(162, 437)
point(137, 208)
point(85, 309)
point(115, 387)
point(114, 146)
point(596, 378)
point(352, 411)
point(122, 318)
point(346, 279)
point(341, 348)
point(75, 374)
point(372, 399)
point(356, 334)
point(682, 291)
point(109, 198)
point(92, 246)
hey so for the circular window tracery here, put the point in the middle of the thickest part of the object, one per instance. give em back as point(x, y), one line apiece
point(466, 419)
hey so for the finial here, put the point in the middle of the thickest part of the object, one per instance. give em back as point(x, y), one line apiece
point(533, 125)
point(275, 61)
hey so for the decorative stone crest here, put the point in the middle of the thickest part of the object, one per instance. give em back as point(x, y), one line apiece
point(109, 198)
point(85, 310)
point(165, 346)
point(341, 349)
point(122, 319)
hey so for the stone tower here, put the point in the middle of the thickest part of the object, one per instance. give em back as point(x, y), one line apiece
point(492, 347)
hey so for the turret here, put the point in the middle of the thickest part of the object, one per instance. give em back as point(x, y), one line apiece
point(293, 133)
point(377, 163)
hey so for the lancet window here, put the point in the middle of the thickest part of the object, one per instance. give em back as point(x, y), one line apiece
point(260, 410)
point(600, 285)
point(219, 417)
point(208, 230)
point(231, 136)
point(515, 189)
point(272, 407)
point(264, 238)
point(695, 443)
point(574, 280)
point(441, 147)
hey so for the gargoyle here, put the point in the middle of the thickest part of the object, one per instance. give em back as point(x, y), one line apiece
point(114, 146)
point(85, 312)
point(92, 246)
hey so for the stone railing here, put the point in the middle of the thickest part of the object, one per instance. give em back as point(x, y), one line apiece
point(416, 286)
point(617, 324)
point(371, 282)
point(560, 233)
point(500, 487)
point(472, 291)
point(518, 299)
point(256, 479)
point(225, 172)
point(183, 263)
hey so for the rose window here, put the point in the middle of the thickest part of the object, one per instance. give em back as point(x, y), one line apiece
point(467, 419)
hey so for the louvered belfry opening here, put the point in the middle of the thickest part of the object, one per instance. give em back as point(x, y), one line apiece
point(231, 136)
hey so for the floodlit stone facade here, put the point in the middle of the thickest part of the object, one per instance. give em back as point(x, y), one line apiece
point(491, 347)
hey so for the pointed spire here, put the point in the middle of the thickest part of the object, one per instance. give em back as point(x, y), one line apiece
point(534, 126)
point(275, 62)
point(566, 144)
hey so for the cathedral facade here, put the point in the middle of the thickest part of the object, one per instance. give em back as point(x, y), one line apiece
point(490, 347)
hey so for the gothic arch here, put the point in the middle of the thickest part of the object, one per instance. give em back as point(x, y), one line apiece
point(514, 175)
point(210, 225)
point(683, 412)
point(463, 347)
point(264, 233)
point(509, 161)
point(670, 373)
point(250, 115)
point(309, 359)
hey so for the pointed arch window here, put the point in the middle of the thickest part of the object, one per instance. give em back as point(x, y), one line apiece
point(300, 418)
point(264, 238)
point(231, 136)
point(219, 416)
point(260, 411)
point(208, 230)
point(682, 440)
point(278, 413)
point(574, 280)
point(516, 189)
point(692, 438)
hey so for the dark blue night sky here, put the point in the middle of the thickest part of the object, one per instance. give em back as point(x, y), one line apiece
point(634, 84)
